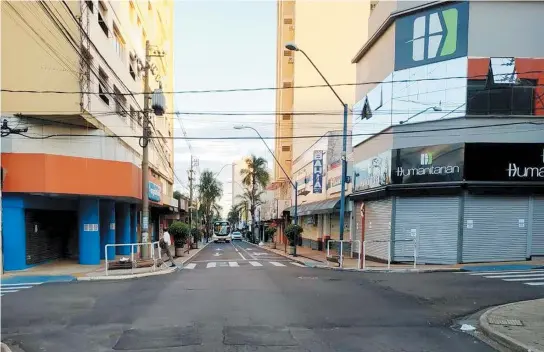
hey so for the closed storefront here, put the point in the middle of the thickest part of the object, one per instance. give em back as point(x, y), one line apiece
point(377, 230)
point(431, 224)
point(50, 235)
point(537, 228)
point(495, 228)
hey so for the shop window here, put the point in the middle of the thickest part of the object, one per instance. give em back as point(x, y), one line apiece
point(504, 99)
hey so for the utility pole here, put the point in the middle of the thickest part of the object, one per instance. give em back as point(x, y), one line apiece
point(191, 194)
point(145, 157)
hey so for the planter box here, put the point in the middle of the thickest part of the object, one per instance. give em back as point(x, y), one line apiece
point(291, 250)
point(179, 252)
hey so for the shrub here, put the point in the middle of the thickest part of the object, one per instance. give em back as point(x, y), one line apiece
point(180, 231)
point(292, 232)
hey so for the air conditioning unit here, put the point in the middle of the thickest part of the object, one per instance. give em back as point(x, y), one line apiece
point(132, 55)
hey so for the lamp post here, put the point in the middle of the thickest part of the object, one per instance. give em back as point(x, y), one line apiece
point(293, 47)
point(224, 166)
point(294, 184)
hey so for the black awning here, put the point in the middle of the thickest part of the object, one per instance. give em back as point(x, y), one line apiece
point(320, 207)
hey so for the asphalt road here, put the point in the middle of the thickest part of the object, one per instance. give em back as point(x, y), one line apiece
point(247, 307)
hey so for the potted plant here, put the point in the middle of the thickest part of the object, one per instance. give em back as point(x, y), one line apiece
point(180, 231)
point(292, 232)
point(270, 232)
point(196, 235)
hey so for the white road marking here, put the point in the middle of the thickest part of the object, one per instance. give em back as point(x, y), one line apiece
point(298, 264)
point(238, 251)
point(534, 283)
point(211, 265)
point(512, 276)
point(14, 287)
point(526, 279)
point(255, 263)
point(23, 284)
point(233, 264)
point(190, 266)
point(276, 264)
point(9, 291)
point(484, 273)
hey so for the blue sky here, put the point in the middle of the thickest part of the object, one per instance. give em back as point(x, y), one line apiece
point(223, 45)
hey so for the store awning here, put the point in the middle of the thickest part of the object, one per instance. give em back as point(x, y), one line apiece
point(320, 207)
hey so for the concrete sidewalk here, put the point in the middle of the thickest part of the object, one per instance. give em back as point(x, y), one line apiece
point(72, 271)
point(316, 258)
point(518, 326)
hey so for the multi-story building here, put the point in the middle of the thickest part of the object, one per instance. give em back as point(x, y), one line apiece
point(73, 183)
point(448, 148)
point(321, 30)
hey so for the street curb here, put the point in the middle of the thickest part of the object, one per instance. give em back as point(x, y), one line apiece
point(4, 347)
point(507, 341)
point(313, 264)
point(136, 276)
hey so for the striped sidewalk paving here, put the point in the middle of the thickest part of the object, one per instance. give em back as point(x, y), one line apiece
point(236, 264)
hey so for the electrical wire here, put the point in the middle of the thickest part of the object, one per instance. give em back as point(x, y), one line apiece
point(233, 90)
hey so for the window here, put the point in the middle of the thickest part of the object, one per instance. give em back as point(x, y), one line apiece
point(131, 71)
point(287, 53)
point(287, 20)
point(120, 102)
point(102, 18)
point(132, 117)
point(286, 117)
point(132, 12)
point(507, 99)
point(90, 5)
point(287, 85)
point(285, 148)
point(119, 43)
point(102, 84)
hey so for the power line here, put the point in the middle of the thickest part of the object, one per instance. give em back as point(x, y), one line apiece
point(233, 90)
point(288, 138)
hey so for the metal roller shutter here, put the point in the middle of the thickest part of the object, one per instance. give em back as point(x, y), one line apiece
point(377, 227)
point(495, 228)
point(436, 222)
point(537, 245)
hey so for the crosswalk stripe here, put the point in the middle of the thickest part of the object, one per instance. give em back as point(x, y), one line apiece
point(534, 283)
point(512, 276)
point(255, 263)
point(526, 279)
point(211, 265)
point(484, 273)
point(233, 264)
point(14, 287)
point(9, 291)
point(190, 266)
point(22, 284)
point(298, 264)
point(276, 264)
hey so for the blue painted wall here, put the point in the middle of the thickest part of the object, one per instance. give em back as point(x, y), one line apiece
point(133, 226)
point(107, 228)
point(123, 228)
point(89, 233)
point(14, 238)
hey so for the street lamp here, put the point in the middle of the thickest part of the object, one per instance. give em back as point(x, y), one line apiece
point(293, 47)
point(435, 108)
point(224, 166)
point(294, 184)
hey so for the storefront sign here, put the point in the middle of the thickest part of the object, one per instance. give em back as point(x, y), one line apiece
point(504, 162)
point(435, 35)
point(373, 172)
point(318, 171)
point(438, 163)
point(154, 192)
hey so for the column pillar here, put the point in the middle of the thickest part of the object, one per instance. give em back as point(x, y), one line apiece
point(89, 234)
point(14, 236)
point(107, 228)
point(123, 228)
point(133, 226)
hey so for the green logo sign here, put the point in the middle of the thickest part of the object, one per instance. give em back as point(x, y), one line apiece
point(432, 36)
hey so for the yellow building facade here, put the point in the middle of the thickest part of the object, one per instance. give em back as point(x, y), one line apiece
point(82, 63)
point(328, 32)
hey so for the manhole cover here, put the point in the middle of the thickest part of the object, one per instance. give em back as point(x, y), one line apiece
point(258, 336)
point(505, 322)
point(154, 339)
point(308, 277)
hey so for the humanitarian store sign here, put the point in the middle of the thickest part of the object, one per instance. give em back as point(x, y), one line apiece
point(435, 35)
point(437, 163)
point(498, 162)
point(318, 171)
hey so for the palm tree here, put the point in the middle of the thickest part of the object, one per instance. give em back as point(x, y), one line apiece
point(210, 191)
point(234, 216)
point(255, 177)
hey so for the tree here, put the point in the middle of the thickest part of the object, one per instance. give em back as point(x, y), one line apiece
point(255, 177)
point(233, 216)
point(210, 191)
point(177, 195)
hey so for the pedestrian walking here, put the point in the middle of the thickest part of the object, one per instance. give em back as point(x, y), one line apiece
point(165, 243)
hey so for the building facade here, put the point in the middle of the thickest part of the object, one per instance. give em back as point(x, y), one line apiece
point(448, 152)
point(76, 184)
point(313, 111)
